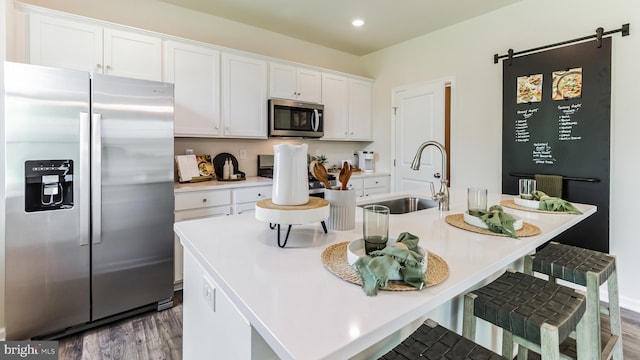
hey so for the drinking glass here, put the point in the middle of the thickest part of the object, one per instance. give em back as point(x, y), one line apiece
point(527, 188)
point(375, 227)
point(476, 201)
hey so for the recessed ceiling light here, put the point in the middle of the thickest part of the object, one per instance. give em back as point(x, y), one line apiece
point(357, 22)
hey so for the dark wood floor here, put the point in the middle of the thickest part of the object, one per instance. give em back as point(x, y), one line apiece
point(158, 336)
point(149, 336)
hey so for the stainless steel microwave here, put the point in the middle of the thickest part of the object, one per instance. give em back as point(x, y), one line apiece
point(290, 118)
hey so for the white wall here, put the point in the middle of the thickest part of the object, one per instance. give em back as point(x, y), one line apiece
point(465, 52)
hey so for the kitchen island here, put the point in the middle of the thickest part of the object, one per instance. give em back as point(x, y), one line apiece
point(246, 298)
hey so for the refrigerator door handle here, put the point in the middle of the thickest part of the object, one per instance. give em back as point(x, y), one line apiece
point(83, 184)
point(96, 178)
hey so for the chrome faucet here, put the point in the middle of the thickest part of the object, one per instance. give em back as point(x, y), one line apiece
point(442, 196)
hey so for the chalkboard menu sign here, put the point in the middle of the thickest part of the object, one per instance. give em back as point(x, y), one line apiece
point(556, 121)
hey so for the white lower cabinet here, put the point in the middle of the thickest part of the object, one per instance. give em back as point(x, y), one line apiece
point(197, 205)
point(369, 185)
point(191, 205)
point(245, 199)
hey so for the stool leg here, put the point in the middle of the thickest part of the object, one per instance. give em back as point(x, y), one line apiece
point(523, 352)
point(614, 313)
point(583, 350)
point(550, 344)
point(468, 318)
point(528, 265)
point(592, 315)
point(507, 344)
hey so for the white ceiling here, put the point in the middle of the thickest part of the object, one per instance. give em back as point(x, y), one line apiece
point(328, 22)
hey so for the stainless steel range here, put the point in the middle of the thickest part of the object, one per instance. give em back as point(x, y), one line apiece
point(316, 188)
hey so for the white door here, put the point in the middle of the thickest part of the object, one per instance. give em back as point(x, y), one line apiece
point(419, 117)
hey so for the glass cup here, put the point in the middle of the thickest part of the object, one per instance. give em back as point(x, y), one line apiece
point(476, 201)
point(527, 188)
point(375, 227)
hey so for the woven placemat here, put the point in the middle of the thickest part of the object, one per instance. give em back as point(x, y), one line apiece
point(334, 258)
point(511, 204)
point(457, 220)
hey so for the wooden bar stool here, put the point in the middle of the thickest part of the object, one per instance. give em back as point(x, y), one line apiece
point(533, 313)
point(432, 341)
point(591, 269)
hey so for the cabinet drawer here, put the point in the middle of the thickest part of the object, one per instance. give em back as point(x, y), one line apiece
point(376, 182)
point(201, 199)
point(251, 194)
point(202, 213)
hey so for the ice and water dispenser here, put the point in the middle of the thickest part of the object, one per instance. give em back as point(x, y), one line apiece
point(48, 185)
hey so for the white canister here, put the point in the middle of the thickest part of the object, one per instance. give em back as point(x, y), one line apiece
point(290, 175)
point(342, 209)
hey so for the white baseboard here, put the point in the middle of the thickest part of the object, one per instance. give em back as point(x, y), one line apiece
point(630, 304)
point(3, 334)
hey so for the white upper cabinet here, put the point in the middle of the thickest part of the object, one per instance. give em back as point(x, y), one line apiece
point(244, 96)
point(360, 109)
point(295, 83)
point(132, 55)
point(195, 73)
point(76, 45)
point(347, 108)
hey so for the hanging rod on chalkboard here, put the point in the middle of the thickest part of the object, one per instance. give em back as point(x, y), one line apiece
point(598, 35)
point(563, 178)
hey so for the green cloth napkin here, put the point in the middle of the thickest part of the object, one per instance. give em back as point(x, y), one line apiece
point(376, 268)
point(498, 221)
point(549, 203)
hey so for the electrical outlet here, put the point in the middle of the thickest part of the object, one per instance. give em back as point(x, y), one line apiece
point(243, 154)
point(209, 293)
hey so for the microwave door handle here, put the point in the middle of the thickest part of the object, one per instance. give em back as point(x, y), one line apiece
point(315, 120)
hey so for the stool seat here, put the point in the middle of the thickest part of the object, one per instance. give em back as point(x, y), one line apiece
point(521, 304)
point(572, 263)
point(432, 341)
point(591, 269)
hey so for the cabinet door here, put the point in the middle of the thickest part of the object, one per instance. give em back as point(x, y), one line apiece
point(244, 96)
point(360, 93)
point(308, 85)
point(195, 73)
point(290, 82)
point(64, 44)
point(335, 97)
point(132, 55)
point(282, 81)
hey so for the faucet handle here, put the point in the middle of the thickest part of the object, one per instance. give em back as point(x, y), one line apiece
point(433, 189)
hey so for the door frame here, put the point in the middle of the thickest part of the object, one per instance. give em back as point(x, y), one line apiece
point(449, 127)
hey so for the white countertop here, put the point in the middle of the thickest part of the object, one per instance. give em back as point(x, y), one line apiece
point(216, 185)
point(250, 181)
point(305, 312)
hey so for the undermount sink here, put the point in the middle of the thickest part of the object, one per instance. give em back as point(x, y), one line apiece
point(405, 204)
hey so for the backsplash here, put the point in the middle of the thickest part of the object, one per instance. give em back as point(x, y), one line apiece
point(335, 151)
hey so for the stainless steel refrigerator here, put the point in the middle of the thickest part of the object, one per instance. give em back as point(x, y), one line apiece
point(89, 198)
